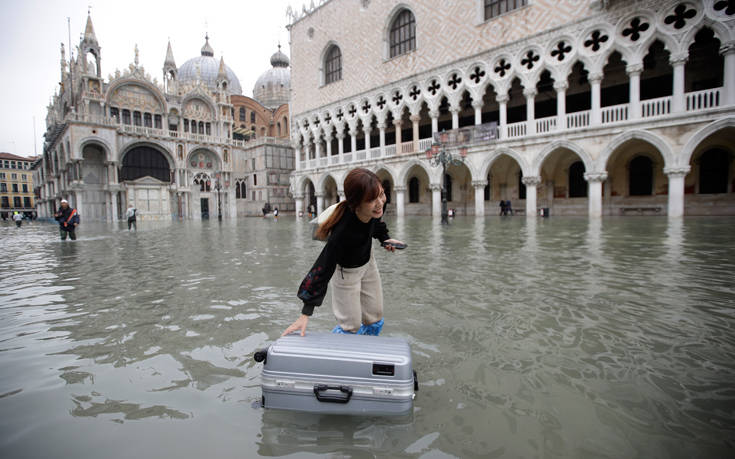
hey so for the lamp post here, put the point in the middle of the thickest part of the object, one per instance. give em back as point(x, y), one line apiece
point(438, 155)
point(218, 187)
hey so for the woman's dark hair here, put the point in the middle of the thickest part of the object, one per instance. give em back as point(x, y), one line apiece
point(360, 185)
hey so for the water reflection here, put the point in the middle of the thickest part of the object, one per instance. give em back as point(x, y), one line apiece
point(549, 337)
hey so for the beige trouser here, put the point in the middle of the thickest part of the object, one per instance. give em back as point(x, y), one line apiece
point(357, 295)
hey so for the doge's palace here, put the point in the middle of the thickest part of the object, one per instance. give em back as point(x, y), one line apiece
point(579, 107)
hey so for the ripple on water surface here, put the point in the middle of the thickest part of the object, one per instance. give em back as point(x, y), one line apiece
point(559, 337)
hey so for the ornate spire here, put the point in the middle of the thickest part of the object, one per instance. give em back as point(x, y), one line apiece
point(137, 60)
point(169, 56)
point(207, 49)
point(222, 74)
point(89, 35)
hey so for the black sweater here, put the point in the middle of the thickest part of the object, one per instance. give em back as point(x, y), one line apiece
point(348, 245)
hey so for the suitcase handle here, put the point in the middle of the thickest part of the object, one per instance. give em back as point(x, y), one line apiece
point(344, 397)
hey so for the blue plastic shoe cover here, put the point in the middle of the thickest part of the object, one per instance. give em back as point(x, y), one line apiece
point(339, 330)
point(372, 329)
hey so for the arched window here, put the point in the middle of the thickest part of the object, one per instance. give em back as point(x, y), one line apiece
point(402, 34)
point(713, 167)
point(641, 177)
point(137, 118)
point(413, 190)
point(126, 116)
point(240, 189)
point(252, 117)
point(242, 114)
point(145, 161)
point(147, 120)
point(577, 183)
point(333, 65)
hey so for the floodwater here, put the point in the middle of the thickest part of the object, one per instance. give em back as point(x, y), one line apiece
point(553, 338)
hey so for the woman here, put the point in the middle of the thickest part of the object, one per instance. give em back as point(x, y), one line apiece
point(357, 294)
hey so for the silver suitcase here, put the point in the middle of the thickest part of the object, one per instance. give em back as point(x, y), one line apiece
point(338, 374)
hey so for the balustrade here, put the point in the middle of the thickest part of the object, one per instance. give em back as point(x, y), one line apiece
point(407, 147)
point(578, 119)
point(656, 107)
point(374, 153)
point(700, 100)
point(360, 155)
point(547, 124)
point(614, 113)
point(516, 129)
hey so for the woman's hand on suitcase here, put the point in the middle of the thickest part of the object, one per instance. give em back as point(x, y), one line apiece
point(299, 325)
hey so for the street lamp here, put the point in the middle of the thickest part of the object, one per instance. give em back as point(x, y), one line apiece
point(218, 187)
point(438, 155)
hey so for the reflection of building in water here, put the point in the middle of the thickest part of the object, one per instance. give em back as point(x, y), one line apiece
point(191, 147)
point(624, 107)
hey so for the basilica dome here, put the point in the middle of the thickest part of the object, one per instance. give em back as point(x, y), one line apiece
point(273, 87)
point(206, 68)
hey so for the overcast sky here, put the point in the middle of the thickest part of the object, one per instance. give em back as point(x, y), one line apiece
point(245, 32)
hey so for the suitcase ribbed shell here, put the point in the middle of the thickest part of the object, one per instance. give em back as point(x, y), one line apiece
point(336, 373)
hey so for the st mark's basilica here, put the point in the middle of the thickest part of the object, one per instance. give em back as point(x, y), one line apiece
point(190, 146)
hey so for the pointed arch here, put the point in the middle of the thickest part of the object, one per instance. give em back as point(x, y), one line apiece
point(589, 163)
point(658, 142)
point(490, 159)
point(691, 146)
point(406, 167)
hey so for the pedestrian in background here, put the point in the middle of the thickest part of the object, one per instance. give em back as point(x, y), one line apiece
point(68, 219)
point(18, 218)
point(131, 214)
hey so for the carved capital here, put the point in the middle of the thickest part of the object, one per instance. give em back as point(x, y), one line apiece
point(502, 98)
point(479, 183)
point(595, 176)
point(400, 189)
point(530, 92)
point(531, 180)
point(319, 194)
point(477, 104)
point(381, 125)
point(634, 69)
point(434, 113)
point(678, 59)
point(677, 171)
point(298, 196)
point(561, 85)
point(727, 48)
point(595, 77)
point(415, 118)
point(435, 187)
point(397, 122)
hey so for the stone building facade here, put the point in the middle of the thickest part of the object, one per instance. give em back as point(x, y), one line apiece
point(172, 149)
point(16, 185)
point(583, 107)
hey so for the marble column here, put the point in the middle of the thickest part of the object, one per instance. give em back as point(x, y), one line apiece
point(596, 113)
point(436, 199)
point(676, 177)
point(299, 200)
point(531, 183)
point(502, 100)
point(400, 200)
point(415, 124)
point(594, 192)
point(479, 197)
point(319, 202)
point(728, 51)
point(634, 77)
point(397, 123)
point(353, 141)
point(328, 143)
point(477, 105)
point(381, 129)
point(341, 146)
point(530, 94)
point(455, 116)
point(678, 104)
point(434, 114)
point(561, 104)
point(366, 131)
